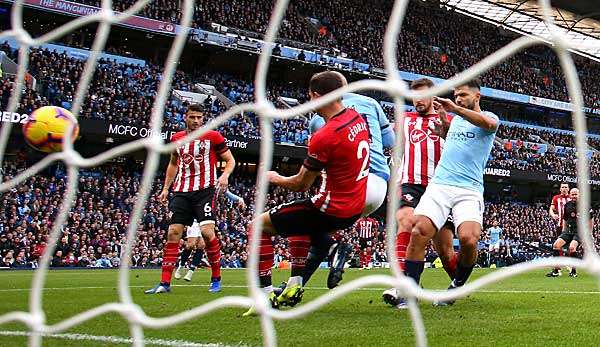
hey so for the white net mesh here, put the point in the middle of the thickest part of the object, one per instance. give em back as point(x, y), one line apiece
point(137, 319)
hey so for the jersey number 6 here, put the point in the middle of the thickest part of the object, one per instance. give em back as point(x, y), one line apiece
point(207, 209)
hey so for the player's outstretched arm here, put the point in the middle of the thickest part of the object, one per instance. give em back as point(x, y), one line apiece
point(169, 177)
point(223, 180)
point(474, 117)
point(300, 182)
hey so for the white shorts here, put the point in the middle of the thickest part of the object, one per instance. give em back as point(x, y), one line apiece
point(193, 230)
point(494, 246)
point(439, 200)
point(376, 192)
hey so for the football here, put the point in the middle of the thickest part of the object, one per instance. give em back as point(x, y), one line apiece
point(46, 128)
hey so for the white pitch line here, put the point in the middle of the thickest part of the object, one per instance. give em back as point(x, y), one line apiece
point(490, 291)
point(115, 339)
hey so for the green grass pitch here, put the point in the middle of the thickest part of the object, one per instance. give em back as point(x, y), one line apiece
point(527, 310)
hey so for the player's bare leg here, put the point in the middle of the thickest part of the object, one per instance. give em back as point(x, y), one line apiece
point(170, 253)
point(557, 252)
point(184, 256)
point(573, 253)
point(213, 251)
point(443, 245)
point(468, 235)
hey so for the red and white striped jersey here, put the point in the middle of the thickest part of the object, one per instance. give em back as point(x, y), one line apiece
point(197, 161)
point(422, 149)
point(559, 201)
point(367, 227)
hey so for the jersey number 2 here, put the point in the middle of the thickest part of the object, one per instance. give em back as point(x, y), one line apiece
point(363, 153)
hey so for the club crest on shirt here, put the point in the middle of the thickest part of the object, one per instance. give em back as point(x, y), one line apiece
point(188, 159)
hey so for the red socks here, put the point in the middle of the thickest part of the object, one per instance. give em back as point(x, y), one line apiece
point(265, 256)
point(402, 240)
point(299, 248)
point(450, 266)
point(170, 254)
point(213, 251)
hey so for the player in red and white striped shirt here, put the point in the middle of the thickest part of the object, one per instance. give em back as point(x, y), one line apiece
point(367, 228)
point(422, 147)
point(424, 132)
point(557, 208)
point(192, 171)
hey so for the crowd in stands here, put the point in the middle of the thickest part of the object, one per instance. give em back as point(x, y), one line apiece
point(97, 224)
point(551, 137)
point(520, 148)
point(124, 93)
point(347, 25)
point(96, 228)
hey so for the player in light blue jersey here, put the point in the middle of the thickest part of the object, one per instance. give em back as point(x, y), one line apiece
point(495, 232)
point(457, 184)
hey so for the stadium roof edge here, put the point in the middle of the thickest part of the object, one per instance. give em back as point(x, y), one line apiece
point(526, 18)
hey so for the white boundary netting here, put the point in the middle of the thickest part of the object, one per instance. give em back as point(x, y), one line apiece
point(35, 318)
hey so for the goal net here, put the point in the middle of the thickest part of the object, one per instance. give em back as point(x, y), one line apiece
point(35, 318)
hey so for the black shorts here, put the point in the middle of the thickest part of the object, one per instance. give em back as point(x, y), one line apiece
point(568, 237)
point(301, 217)
point(198, 205)
point(411, 196)
point(364, 243)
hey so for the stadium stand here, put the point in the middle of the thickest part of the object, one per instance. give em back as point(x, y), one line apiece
point(425, 50)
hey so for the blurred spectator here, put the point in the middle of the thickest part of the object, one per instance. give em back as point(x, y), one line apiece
point(103, 261)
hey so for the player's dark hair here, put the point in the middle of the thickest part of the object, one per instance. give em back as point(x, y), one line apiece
point(325, 82)
point(421, 82)
point(195, 108)
point(473, 84)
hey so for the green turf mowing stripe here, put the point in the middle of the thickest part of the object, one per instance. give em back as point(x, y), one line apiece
point(116, 339)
